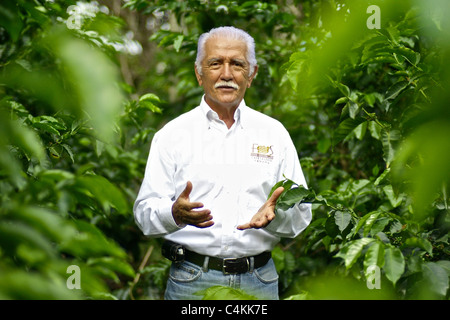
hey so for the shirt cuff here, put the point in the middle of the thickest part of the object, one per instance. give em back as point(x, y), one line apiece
point(167, 218)
point(276, 223)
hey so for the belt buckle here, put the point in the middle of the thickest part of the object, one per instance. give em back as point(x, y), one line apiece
point(233, 265)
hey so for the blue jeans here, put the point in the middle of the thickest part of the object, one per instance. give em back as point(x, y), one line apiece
point(187, 278)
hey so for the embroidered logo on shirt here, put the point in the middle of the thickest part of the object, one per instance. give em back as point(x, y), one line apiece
point(261, 153)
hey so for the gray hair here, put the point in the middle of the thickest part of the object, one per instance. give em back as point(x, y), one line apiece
point(230, 33)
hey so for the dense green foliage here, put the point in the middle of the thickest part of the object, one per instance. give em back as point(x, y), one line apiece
point(366, 109)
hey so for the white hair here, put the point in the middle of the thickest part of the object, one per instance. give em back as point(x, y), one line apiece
point(230, 33)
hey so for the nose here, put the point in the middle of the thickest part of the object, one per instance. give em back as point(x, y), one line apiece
point(226, 72)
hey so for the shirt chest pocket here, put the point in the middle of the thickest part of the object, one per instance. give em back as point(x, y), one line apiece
point(203, 177)
point(259, 176)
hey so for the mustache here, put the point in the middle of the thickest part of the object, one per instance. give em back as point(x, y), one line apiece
point(226, 84)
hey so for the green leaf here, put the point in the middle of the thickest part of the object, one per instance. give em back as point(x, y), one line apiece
point(10, 167)
point(421, 243)
point(396, 89)
point(393, 199)
point(303, 295)
point(298, 68)
point(444, 264)
point(14, 234)
point(345, 90)
point(148, 100)
point(388, 139)
point(49, 124)
point(278, 258)
point(358, 186)
point(150, 97)
point(360, 130)
point(331, 228)
point(25, 138)
point(341, 100)
point(394, 263)
point(293, 73)
point(113, 264)
point(342, 219)
point(24, 285)
point(293, 196)
point(69, 151)
point(353, 109)
point(104, 192)
point(375, 130)
point(379, 225)
point(98, 95)
point(90, 242)
point(374, 256)
point(47, 223)
point(345, 128)
point(410, 55)
point(56, 175)
point(369, 222)
point(352, 251)
point(11, 19)
point(47, 127)
point(436, 278)
point(178, 42)
point(382, 176)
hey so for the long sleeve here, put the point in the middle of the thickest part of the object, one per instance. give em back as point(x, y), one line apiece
point(292, 222)
point(153, 205)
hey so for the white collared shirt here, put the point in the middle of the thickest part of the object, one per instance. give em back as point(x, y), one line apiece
point(232, 172)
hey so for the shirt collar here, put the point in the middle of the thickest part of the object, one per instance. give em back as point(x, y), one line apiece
point(211, 115)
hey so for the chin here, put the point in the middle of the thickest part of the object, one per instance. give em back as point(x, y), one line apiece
point(225, 100)
point(231, 98)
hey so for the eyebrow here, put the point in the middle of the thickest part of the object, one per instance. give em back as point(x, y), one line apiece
point(243, 62)
point(214, 60)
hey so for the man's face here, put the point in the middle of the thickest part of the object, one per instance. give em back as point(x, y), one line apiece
point(225, 72)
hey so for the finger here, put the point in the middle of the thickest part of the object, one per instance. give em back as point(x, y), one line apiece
point(201, 214)
point(187, 190)
point(244, 226)
point(252, 225)
point(205, 224)
point(255, 223)
point(275, 195)
point(195, 205)
point(196, 217)
point(258, 221)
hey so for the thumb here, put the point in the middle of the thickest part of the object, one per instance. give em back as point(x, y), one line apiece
point(275, 195)
point(187, 191)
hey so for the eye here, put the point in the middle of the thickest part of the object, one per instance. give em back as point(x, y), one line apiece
point(214, 63)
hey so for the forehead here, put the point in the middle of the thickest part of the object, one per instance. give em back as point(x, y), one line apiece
point(226, 48)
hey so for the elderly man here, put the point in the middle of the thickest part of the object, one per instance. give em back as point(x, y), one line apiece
point(208, 177)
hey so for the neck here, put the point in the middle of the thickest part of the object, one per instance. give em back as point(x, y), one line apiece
point(225, 112)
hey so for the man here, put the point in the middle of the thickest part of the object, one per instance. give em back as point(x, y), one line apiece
point(209, 174)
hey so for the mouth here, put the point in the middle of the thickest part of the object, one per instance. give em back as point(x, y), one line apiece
point(226, 85)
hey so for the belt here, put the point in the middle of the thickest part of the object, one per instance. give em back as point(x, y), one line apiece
point(229, 265)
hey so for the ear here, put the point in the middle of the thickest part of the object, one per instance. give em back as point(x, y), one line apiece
point(255, 71)
point(198, 76)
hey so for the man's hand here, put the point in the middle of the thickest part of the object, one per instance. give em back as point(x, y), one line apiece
point(265, 214)
point(183, 210)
